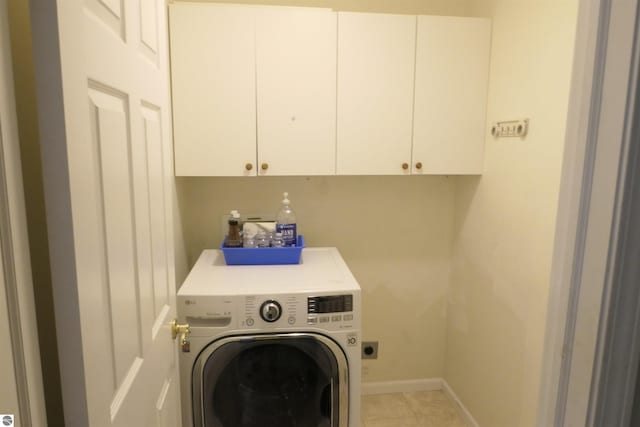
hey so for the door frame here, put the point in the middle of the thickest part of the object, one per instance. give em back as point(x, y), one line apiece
point(14, 253)
point(594, 198)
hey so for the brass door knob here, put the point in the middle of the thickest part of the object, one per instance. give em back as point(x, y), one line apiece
point(405, 166)
point(177, 328)
point(184, 331)
point(418, 165)
point(248, 166)
point(264, 166)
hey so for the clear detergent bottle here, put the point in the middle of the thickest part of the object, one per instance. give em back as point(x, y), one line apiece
point(286, 223)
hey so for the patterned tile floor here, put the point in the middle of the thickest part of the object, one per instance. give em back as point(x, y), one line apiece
point(416, 409)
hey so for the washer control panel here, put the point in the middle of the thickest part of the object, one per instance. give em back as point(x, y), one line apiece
point(323, 311)
point(270, 311)
point(329, 304)
point(330, 309)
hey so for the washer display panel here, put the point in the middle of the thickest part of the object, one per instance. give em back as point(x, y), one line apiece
point(279, 380)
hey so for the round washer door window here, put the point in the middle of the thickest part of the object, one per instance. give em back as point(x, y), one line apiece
point(271, 381)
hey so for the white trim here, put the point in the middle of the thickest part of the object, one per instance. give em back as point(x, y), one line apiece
point(405, 386)
point(584, 244)
point(618, 346)
point(425, 384)
point(457, 403)
point(570, 214)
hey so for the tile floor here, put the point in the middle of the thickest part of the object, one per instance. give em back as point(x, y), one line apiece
point(416, 409)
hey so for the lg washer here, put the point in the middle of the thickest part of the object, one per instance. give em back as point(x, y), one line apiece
point(271, 345)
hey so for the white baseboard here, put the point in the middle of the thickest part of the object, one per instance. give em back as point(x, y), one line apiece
point(426, 384)
point(457, 403)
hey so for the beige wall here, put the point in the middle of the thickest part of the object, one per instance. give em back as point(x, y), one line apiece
point(426, 7)
point(505, 220)
point(395, 234)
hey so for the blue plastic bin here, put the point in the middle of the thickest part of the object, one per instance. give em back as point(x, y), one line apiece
point(263, 256)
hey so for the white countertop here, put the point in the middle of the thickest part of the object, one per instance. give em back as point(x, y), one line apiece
point(320, 270)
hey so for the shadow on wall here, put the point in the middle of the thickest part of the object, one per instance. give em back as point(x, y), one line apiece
point(405, 352)
point(486, 344)
point(427, 7)
point(466, 191)
point(369, 218)
point(492, 345)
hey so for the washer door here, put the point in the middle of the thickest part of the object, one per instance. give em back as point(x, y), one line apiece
point(282, 380)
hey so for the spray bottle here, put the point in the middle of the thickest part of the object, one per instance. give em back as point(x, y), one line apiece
point(286, 223)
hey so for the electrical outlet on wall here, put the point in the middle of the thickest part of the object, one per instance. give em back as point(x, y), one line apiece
point(370, 349)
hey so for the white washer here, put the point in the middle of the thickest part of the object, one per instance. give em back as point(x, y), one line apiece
point(271, 345)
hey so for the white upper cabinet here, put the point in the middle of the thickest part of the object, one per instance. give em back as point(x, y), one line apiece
point(271, 90)
point(452, 72)
point(254, 90)
point(376, 61)
point(296, 91)
point(214, 89)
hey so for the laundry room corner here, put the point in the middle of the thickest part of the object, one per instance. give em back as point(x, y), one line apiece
point(505, 220)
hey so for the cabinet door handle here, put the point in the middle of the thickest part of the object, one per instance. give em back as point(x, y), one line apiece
point(418, 165)
point(264, 166)
point(405, 166)
point(248, 166)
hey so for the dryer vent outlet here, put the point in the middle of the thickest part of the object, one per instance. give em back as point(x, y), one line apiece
point(370, 349)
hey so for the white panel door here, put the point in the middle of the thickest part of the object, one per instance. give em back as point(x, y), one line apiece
point(452, 75)
point(376, 57)
point(104, 110)
point(296, 91)
point(214, 89)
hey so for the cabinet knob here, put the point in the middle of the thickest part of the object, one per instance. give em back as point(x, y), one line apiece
point(248, 166)
point(419, 165)
point(264, 166)
point(405, 166)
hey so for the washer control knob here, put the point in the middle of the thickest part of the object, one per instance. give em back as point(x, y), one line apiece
point(270, 311)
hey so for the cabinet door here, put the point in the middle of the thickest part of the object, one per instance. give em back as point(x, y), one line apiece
point(296, 90)
point(452, 72)
point(376, 57)
point(214, 89)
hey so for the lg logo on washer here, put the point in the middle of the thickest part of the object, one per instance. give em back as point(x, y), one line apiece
point(7, 420)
